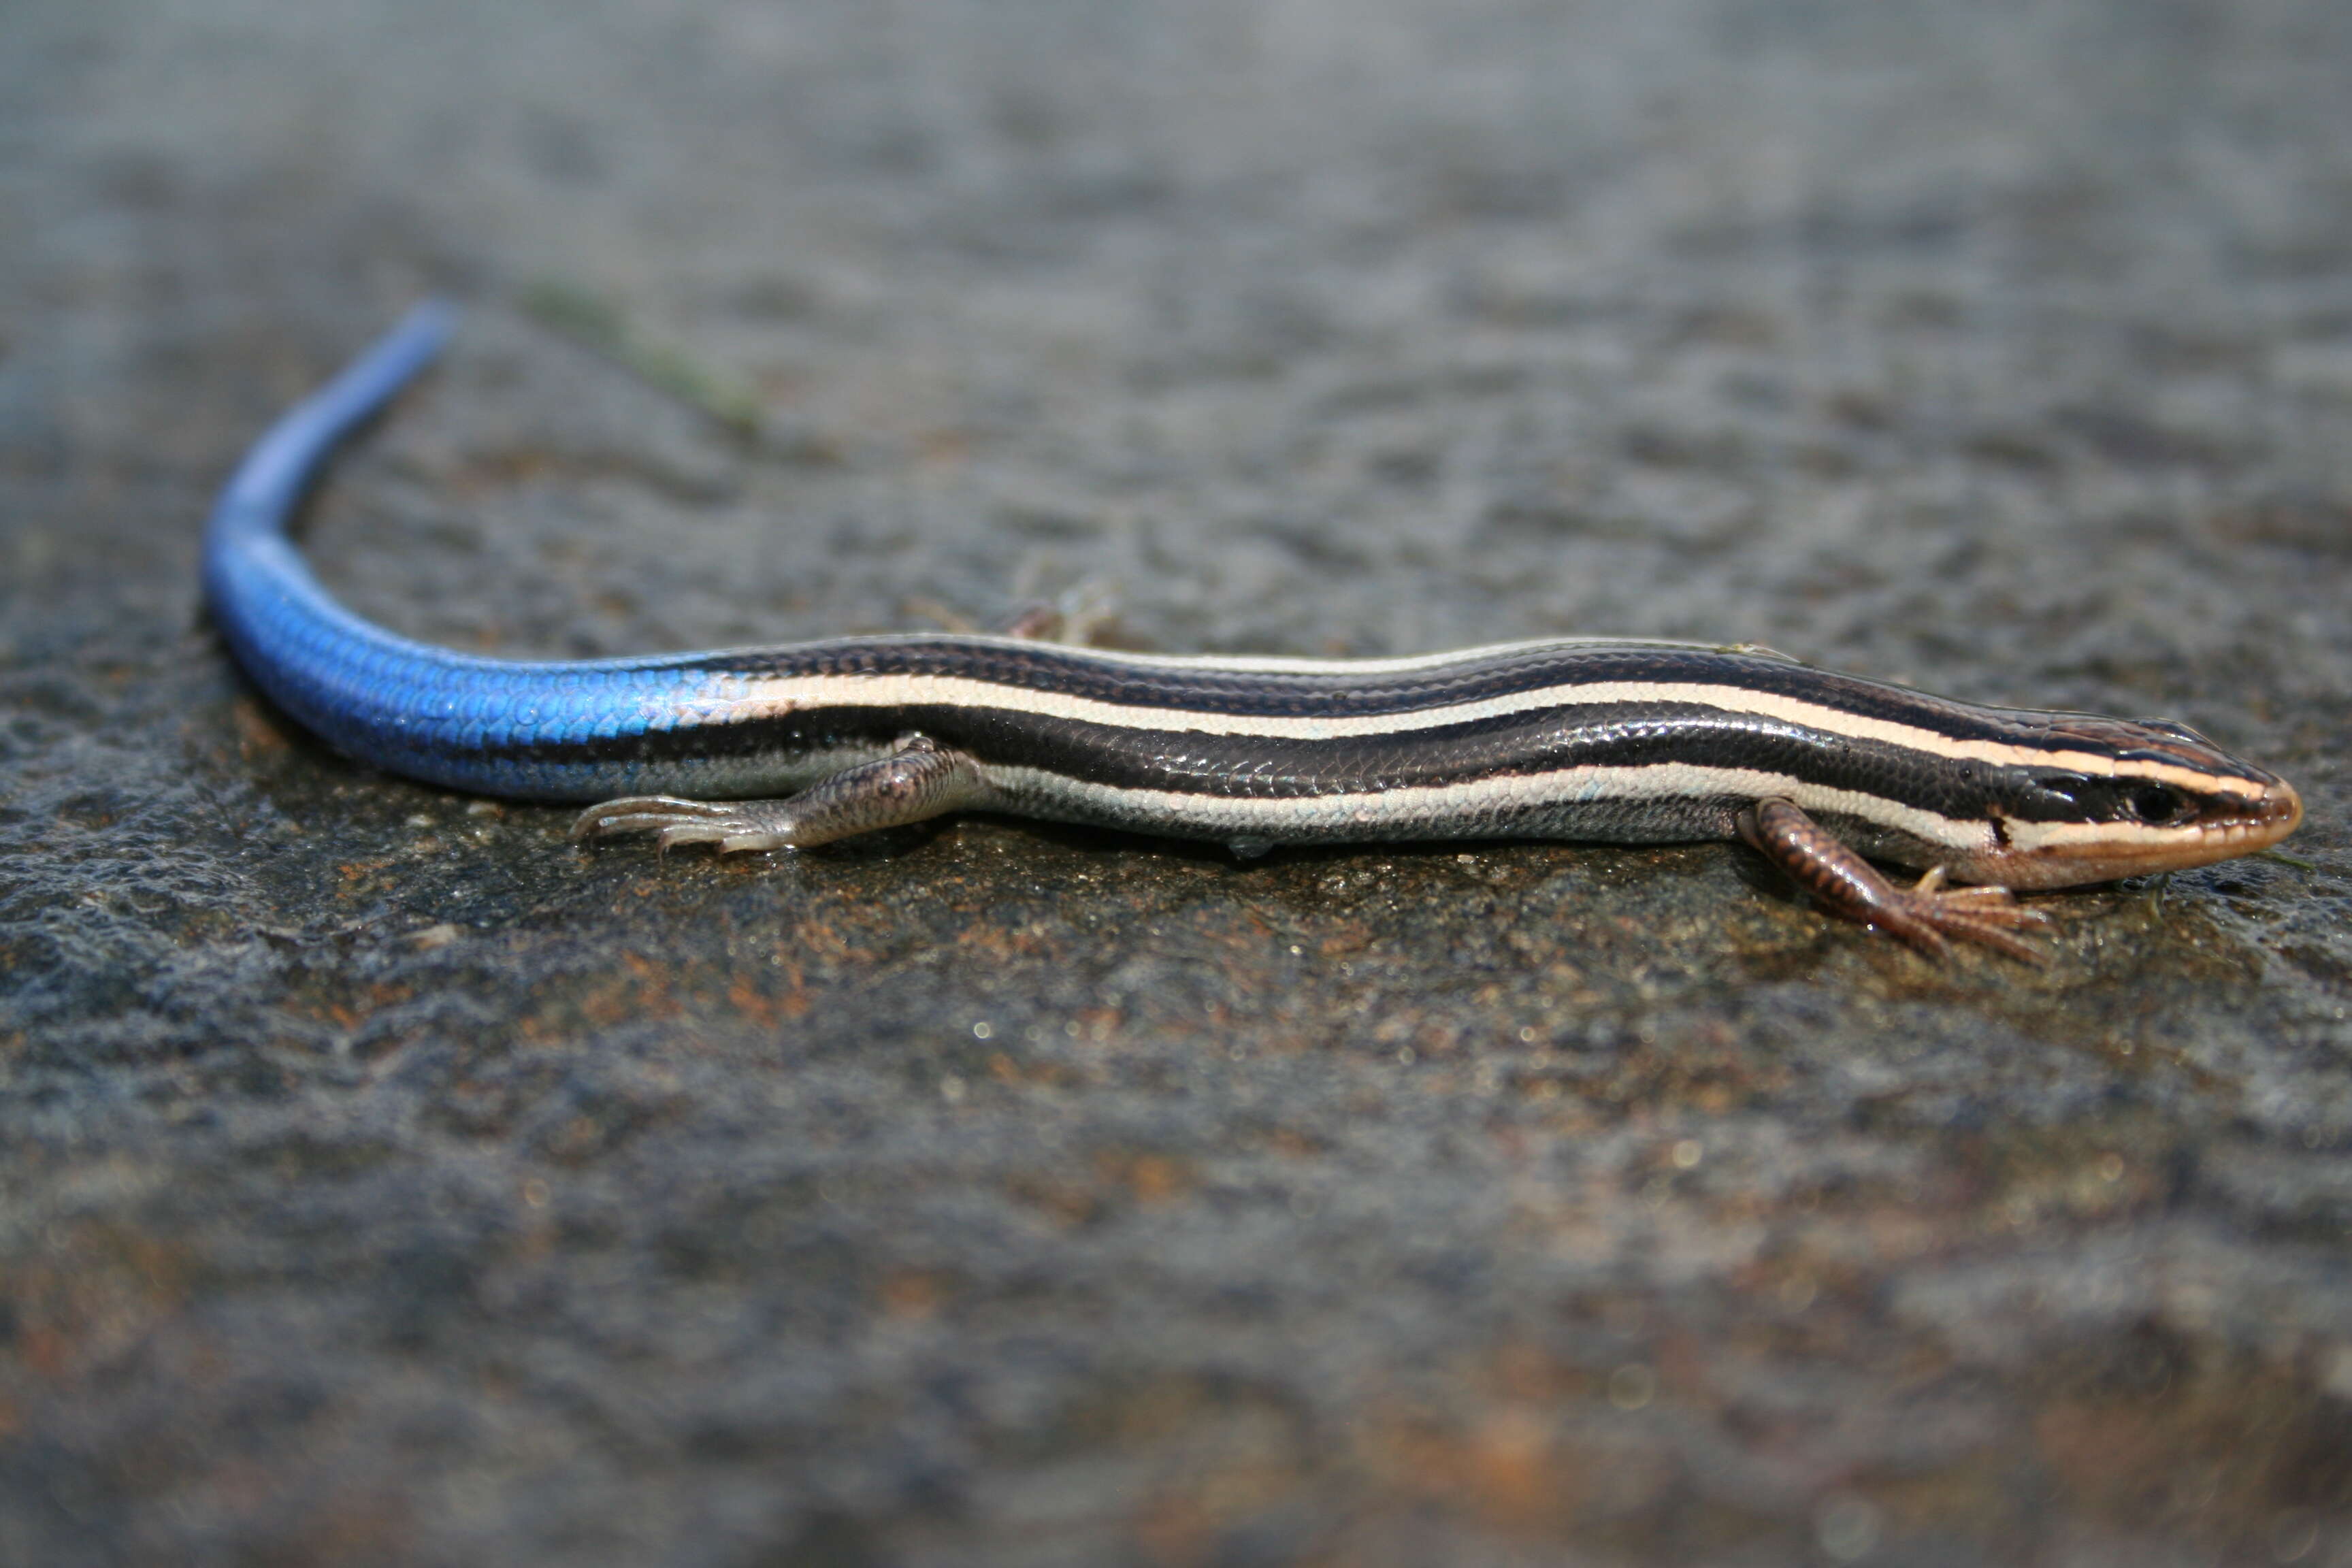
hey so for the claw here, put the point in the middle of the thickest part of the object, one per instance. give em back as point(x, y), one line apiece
point(679, 832)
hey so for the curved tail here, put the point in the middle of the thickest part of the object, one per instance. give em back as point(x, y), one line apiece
point(431, 713)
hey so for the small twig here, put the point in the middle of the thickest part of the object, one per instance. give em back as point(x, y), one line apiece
point(597, 324)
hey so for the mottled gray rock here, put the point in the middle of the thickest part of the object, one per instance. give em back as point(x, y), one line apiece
point(383, 1181)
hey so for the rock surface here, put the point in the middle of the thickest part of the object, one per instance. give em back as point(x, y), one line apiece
point(381, 1180)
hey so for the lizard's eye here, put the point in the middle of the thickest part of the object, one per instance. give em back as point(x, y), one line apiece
point(2156, 804)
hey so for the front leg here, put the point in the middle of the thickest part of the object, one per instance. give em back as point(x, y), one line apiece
point(922, 779)
point(1846, 885)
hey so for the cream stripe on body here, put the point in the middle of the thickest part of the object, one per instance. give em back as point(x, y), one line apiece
point(2122, 837)
point(741, 698)
point(1428, 807)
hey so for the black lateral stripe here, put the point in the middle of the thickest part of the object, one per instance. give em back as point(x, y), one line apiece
point(1615, 734)
point(1607, 735)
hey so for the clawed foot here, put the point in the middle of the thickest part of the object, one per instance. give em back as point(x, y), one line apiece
point(918, 779)
point(732, 824)
point(1927, 913)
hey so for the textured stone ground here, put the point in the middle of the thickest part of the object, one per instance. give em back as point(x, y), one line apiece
point(382, 1182)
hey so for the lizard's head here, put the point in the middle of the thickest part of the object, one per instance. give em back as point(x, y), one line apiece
point(2125, 798)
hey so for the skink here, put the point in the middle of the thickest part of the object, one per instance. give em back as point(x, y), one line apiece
point(1620, 741)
